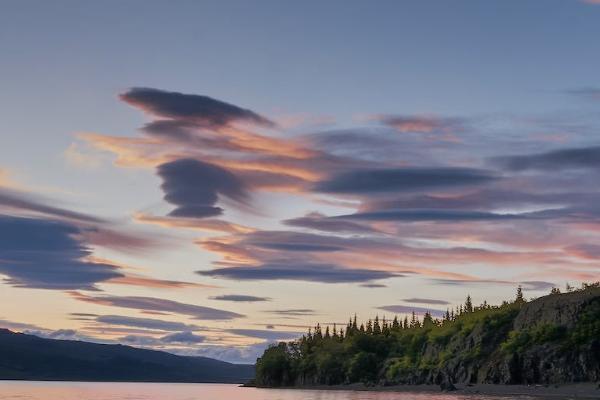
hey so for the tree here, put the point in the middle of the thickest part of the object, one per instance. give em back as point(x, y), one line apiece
point(363, 368)
point(370, 327)
point(414, 322)
point(447, 316)
point(395, 324)
point(468, 304)
point(376, 326)
point(569, 288)
point(274, 368)
point(428, 320)
point(520, 299)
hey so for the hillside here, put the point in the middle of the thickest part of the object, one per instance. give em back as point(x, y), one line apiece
point(32, 358)
point(554, 339)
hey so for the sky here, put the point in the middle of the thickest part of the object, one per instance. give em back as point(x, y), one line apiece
point(208, 177)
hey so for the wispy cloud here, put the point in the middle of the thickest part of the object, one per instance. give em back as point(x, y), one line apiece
point(240, 298)
point(156, 304)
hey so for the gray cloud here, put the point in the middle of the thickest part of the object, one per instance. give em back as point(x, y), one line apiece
point(403, 309)
point(147, 323)
point(194, 187)
point(310, 272)
point(26, 202)
point(202, 110)
point(422, 124)
point(43, 254)
point(320, 222)
point(587, 93)
point(574, 158)
point(425, 301)
point(417, 215)
point(294, 312)
point(266, 334)
point(161, 305)
point(529, 285)
point(373, 285)
point(18, 326)
point(294, 241)
point(235, 354)
point(183, 337)
point(240, 298)
point(369, 181)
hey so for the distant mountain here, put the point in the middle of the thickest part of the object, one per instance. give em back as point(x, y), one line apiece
point(28, 357)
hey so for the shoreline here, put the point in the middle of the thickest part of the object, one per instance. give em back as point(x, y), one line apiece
point(588, 390)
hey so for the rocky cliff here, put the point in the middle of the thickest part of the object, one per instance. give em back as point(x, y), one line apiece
point(554, 339)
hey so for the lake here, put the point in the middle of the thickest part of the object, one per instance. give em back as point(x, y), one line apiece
point(19, 390)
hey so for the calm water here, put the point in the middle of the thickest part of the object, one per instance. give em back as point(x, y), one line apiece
point(176, 391)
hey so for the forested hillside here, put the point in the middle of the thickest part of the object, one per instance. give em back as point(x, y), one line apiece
point(553, 339)
point(28, 357)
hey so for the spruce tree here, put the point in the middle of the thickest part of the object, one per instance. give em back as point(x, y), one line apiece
point(468, 304)
point(395, 324)
point(376, 326)
point(520, 299)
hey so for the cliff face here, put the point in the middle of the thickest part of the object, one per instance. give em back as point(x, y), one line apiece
point(551, 340)
point(570, 352)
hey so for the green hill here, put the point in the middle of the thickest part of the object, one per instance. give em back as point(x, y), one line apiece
point(28, 357)
point(551, 340)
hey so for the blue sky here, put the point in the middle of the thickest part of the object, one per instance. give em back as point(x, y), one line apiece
point(452, 145)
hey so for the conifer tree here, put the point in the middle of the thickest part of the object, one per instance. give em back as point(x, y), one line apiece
point(376, 326)
point(370, 327)
point(520, 299)
point(427, 320)
point(413, 320)
point(395, 324)
point(318, 333)
point(468, 304)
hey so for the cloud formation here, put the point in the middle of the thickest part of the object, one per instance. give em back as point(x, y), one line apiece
point(294, 312)
point(25, 202)
point(403, 309)
point(240, 298)
point(324, 273)
point(416, 215)
point(183, 337)
point(320, 222)
point(43, 254)
point(422, 124)
point(194, 187)
point(202, 110)
point(426, 301)
point(146, 323)
point(556, 160)
point(266, 334)
point(369, 181)
point(161, 305)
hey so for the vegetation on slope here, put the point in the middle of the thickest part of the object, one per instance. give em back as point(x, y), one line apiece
point(471, 344)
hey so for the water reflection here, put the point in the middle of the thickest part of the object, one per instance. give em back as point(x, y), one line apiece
point(11, 390)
